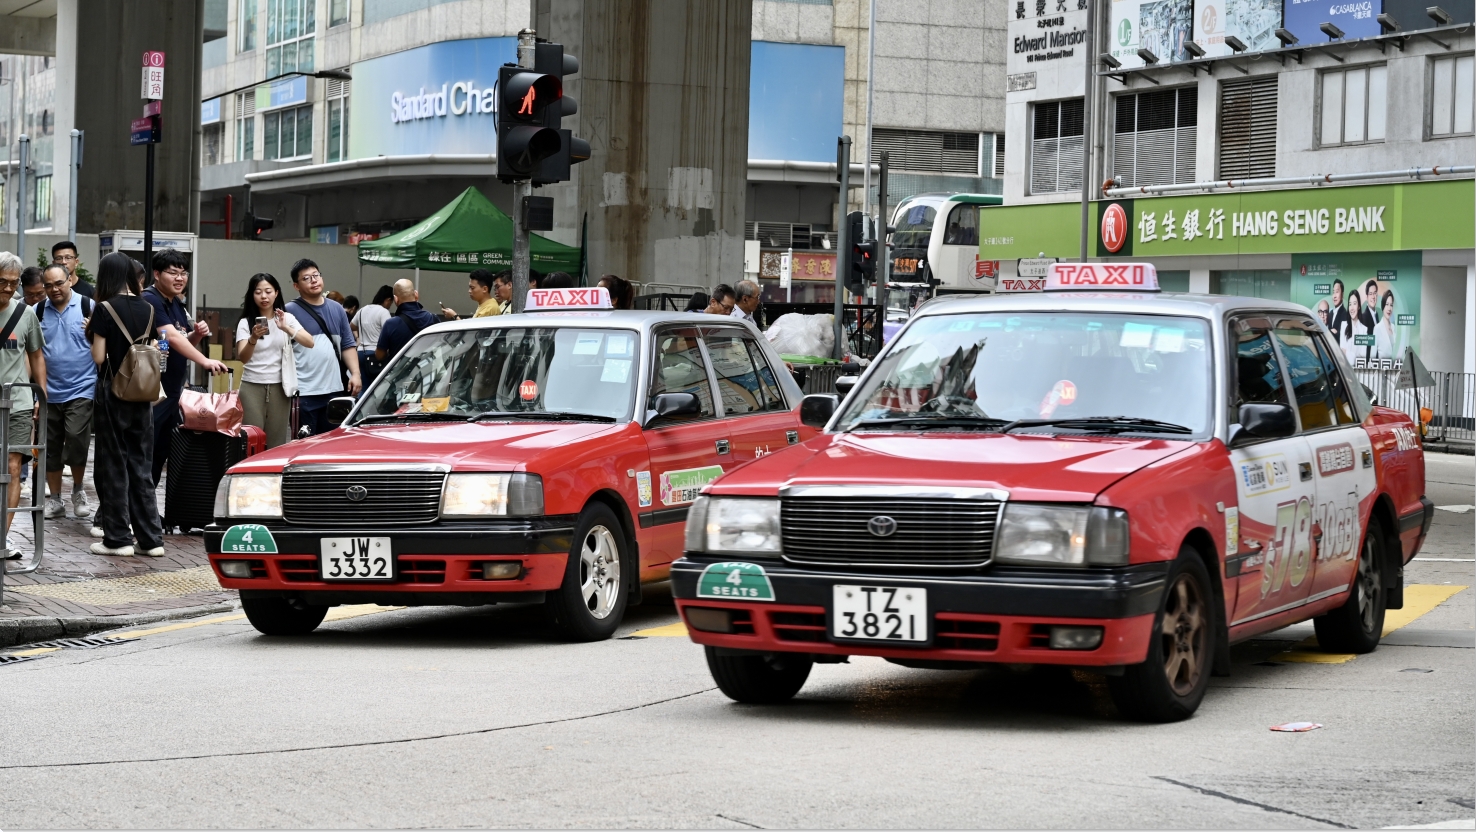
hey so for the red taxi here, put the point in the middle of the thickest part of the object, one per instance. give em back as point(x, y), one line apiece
point(1112, 479)
point(550, 456)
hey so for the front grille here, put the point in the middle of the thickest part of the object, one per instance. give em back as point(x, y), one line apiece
point(393, 498)
point(798, 626)
point(930, 532)
point(965, 634)
point(410, 571)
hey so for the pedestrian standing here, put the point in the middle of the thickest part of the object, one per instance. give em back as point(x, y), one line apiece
point(502, 289)
point(556, 280)
point(31, 291)
point(172, 324)
point(331, 366)
point(351, 308)
point(269, 371)
point(366, 324)
point(479, 287)
point(65, 253)
point(746, 300)
point(71, 376)
point(721, 302)
point(622, 294)
point(122, 472)
point(21, 361)
point(409, 319)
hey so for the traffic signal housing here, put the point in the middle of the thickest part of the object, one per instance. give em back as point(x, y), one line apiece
point(524, 139)
point(256, 225)
point(550, 59)
point(860, 262)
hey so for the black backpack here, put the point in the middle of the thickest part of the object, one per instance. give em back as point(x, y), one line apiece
point(86, 308)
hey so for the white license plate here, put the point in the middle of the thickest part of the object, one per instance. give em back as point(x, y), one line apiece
point(879, 613)
point(357, 559)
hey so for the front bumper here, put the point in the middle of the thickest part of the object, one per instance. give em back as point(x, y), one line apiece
point(434, 564)
point(1003, 615)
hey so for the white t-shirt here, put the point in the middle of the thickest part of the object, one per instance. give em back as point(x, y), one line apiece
point(370, 320)
point(265, 366)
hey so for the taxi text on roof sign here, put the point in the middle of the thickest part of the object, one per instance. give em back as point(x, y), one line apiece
point(1070, 277)
point(593, 298)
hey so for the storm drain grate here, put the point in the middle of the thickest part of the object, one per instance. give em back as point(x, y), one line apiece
point(4, 660)
point(86, 643)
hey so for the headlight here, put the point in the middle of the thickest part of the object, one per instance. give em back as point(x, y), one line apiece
point(733, 525)
point(249, 495)
point(1063, 535)
point(484, 495)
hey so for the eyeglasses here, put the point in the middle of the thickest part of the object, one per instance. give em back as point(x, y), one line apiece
point(310, 276)
point(175, 273)
point(66, 258)
point(11, 284)
point(55, 284)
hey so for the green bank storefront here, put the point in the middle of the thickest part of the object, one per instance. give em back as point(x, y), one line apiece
point(1386, 265)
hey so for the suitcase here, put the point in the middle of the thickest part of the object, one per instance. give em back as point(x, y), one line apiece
point(197, 462)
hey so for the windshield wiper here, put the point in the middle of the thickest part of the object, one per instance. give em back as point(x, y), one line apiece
point(1105, 424)
point(926, 422)
point(542, 416)
point(417, 415)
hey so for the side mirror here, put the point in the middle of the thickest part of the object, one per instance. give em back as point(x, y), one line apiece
point(1263, 421)
point(673, 404)
point(844, 385)
point(338, 409)
point(817, 408)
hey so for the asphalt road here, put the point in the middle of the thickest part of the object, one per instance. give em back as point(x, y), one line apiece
point(448, 717)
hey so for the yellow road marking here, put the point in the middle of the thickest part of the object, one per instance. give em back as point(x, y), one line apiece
point(35, 651)
point(1419, 599)
point(184, 625)
point(676, 630)
point(356, 610)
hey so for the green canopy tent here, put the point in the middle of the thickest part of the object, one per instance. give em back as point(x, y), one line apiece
point(468, 233)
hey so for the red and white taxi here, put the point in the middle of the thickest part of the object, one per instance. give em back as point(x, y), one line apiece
point(1098, 476)
point(549, 456)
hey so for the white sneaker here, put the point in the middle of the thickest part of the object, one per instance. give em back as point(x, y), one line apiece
point(55, 510)
point(121, 551)
point(156, 552)
point(96, 531)
point(80, 505)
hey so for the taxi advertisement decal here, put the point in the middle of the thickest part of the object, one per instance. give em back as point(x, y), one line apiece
point(682, 487)
point(734, 580)
point(1265, 474)
point(1334, 459)
point(1232, 531)
point(643, 488)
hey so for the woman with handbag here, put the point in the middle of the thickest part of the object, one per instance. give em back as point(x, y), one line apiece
point(122, 334)
point(264, 340)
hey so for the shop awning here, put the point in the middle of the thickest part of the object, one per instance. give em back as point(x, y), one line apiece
point(468, 233)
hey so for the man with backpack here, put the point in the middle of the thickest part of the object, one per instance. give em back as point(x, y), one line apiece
point(331, 366)
point(21, 361)
point(409, 319)
point(70, 379)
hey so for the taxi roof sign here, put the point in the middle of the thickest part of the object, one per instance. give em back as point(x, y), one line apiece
point(1098, 277)
point(541, 300)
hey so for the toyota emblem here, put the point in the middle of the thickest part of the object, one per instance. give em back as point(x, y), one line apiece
point(356, 493)
point(881, 526)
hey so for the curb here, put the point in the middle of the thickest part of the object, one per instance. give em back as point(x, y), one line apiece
point(16, 631)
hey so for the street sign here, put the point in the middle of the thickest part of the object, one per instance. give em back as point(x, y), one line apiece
point(1033, 266)
point(786, 269)
point(153, 83)
point(153, 59)
point(144, 130)
point(1412, 374)
point(154, 108)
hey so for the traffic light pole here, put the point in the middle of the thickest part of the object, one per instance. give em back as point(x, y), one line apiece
point(883, 257)
point(521, 262)
point(843, 241)
point(149, 217)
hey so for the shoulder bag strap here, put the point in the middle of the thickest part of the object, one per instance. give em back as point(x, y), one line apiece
point(10, 324)
point(337, 351)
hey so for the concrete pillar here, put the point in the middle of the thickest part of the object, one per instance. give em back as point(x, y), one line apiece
point(1199, 281)
point(1470, 351)
point(663, 102)
point(66, 115)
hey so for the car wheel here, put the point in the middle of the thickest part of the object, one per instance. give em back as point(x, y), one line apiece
point(1358, 624)
point(590, 603)
point(759, 679)
point(278, 617)
point(1170, 684)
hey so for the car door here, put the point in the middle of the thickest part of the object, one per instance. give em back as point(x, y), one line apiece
point(1341, 450)
point(688, 451)
point(1270, 564)
point(759, 419)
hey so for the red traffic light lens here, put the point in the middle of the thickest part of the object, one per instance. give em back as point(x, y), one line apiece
point(526, 94)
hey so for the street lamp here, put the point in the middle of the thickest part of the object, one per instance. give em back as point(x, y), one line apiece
point(337, 74)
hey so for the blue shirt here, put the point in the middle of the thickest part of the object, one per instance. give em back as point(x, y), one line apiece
point(409, 319)
point(166, 313)
point(317, 368)
point(70, 372)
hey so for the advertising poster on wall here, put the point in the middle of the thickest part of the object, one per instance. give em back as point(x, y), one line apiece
point(1160, 26)
point(1355, 17)
point(1253, 21)
point(1370, 302)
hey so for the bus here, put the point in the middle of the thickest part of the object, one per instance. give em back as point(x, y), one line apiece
point(936, 243)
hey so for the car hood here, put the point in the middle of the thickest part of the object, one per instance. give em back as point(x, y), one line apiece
point(476, 446)
point(1029, 467)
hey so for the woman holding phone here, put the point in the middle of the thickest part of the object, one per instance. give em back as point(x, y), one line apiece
point(263, 339)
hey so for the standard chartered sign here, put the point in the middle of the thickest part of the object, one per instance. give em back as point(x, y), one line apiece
point(458, 99)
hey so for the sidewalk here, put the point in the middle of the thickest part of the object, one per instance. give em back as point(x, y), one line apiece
point(76, 592)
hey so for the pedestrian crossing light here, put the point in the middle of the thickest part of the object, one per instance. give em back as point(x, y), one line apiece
point(860, 262)
point(550, 59)
point(523, 138)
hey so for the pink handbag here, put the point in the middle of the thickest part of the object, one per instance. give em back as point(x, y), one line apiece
point(211, 412)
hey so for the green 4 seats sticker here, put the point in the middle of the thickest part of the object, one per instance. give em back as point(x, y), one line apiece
point(248, 539)
point(735, 581)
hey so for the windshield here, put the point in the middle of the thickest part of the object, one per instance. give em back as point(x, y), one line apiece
point(914, 226)
point(471, 372)
point(1036, 366)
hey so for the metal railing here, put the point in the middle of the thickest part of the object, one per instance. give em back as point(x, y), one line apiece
point(1451, 402)
point(38, 480)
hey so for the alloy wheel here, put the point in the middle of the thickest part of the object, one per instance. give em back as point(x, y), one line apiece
point(1184, 635)
point(1367, 585)
point(599, 572)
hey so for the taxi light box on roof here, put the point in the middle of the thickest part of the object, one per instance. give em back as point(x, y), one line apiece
point(597, 297)
point(1066, 277)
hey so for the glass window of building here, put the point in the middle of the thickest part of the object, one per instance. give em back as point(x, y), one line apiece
point(288, 134)
point(1354, 104)
point(338, 12)
point(336, 149)
point(1153, 137)
point(1248, 128)
point(1271, 284)
point(927, 151)
point(246, 25)
point(245, 126)
point(211, 140)
point(1450, 95)
point(41, 204)
point(1055, 147)
point(290, 25)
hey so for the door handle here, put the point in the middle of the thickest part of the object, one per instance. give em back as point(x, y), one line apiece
point(1306, 469)
point(722, 446)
